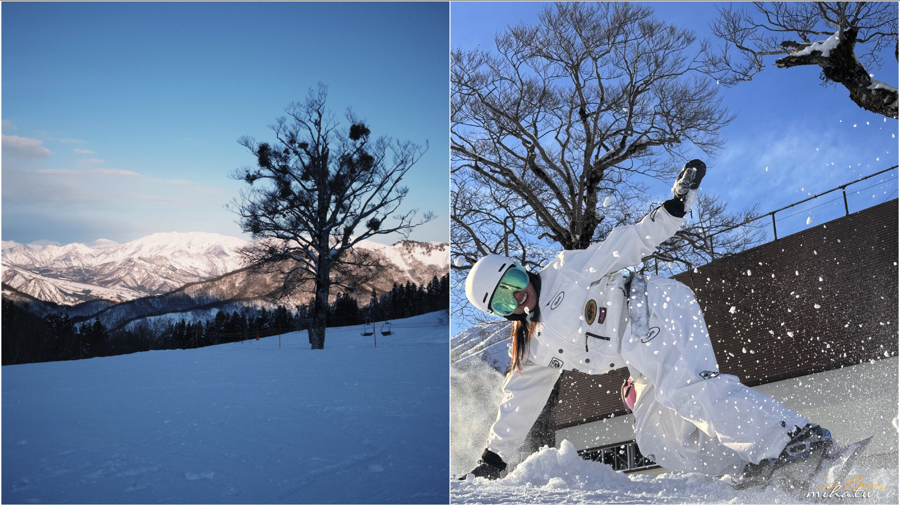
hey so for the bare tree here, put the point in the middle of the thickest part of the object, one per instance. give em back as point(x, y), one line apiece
point(556, 135)
point(315, 193)
point(845, 39)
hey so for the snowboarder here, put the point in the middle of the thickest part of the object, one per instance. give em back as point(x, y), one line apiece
point(579, 313)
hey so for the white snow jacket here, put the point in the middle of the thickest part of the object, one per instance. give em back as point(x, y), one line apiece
point(583, 316)
point(583, 308)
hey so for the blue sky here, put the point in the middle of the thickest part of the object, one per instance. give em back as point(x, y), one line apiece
point(121, 119)
point(792, 137)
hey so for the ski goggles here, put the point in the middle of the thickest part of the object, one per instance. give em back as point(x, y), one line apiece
point(502, 301)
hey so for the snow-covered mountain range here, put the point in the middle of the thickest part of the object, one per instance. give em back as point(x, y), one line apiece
point(160, 263)
point(485, 342)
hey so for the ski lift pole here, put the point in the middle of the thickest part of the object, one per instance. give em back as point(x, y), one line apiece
point(279, 334)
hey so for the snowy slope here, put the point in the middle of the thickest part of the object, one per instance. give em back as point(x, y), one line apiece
point(236, 423)
point(487, 342)
point(415, 260)
point(56, 290)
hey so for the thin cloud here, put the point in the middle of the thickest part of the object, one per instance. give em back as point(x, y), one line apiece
point(115, 172)
point(54, 137)
point(83, 151)
point(8, 126)
point(59, 172)
point(91, 161)
point(153, 198)
point(178, 181)
point(82, 174)
point(24, 147)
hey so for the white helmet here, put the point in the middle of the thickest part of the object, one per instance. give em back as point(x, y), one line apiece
point(482, 281)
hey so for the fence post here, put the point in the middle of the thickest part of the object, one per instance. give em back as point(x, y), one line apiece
point(846, 208)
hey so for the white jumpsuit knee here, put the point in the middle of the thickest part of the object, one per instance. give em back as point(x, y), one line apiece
point(688, 416)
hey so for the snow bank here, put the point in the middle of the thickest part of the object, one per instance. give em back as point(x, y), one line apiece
point(560, 476)
point(237, 423)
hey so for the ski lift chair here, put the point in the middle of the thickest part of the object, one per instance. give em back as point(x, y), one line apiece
point(368, 329)
point(386, 329)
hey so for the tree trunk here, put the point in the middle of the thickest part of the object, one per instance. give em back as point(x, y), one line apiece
point(320, 311)
point(842, 66)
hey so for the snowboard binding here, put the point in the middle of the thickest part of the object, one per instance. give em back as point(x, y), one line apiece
point(808, 445)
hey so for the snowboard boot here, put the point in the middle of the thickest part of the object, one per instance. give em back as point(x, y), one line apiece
point(684, 193)
point(809, 441)
point(490, 466)
point(689, 178)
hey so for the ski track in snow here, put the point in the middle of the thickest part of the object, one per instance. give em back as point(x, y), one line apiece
point(236, 423)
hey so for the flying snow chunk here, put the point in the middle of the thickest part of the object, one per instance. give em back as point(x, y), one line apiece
point(809, 220)
point(607, 201)
point(749, 273)
point(817, 306)
point(732, 310)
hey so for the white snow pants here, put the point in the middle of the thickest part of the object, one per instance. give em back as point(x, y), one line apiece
point(688, 417)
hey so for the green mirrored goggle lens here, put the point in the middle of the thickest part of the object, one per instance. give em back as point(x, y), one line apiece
point(504, 303)
point(513, 281)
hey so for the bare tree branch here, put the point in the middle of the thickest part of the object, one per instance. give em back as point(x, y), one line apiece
point(845, 39)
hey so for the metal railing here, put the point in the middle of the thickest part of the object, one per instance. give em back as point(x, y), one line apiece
point(842, 188)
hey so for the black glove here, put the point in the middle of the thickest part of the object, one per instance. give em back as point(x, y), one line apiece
point(688, 179)
point(490, 466)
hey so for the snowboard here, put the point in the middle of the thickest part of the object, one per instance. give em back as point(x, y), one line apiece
point(821, 469)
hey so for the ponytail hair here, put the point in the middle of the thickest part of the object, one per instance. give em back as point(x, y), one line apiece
point(523, 328)
point(521, 331)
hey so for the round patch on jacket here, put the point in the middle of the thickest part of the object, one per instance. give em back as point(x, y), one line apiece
point(590, 311)
point(557, 300)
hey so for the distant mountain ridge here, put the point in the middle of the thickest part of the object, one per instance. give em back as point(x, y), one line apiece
point(161, 263)
point(485, 342)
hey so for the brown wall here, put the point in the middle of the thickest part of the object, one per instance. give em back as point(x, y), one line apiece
point(774, 289)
